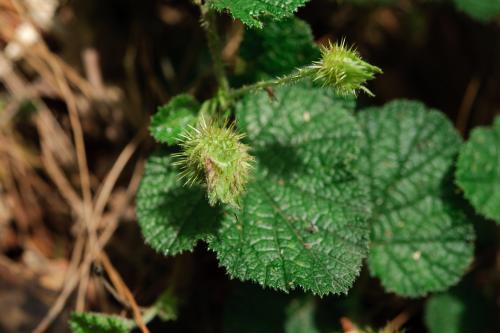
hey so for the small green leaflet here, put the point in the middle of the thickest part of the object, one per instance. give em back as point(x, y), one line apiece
point(478, 170)
point(88, 322)
point(276, 50)
point(173, 118)
point(303, 216)
point(421, 240)
point(172, 217)
point(251, 12)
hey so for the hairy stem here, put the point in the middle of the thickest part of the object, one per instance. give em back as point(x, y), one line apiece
point(288, 79)
point(215, 46)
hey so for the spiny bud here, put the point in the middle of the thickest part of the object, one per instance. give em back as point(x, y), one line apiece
point(214, 155)
point(341, 67)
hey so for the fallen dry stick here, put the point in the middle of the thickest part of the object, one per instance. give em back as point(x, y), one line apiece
point(123, 290)
point(105, 236)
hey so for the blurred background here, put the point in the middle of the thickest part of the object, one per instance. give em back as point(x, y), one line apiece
point(79, 80)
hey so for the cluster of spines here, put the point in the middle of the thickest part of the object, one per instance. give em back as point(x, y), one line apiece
point(342, 68)
point(213, 154)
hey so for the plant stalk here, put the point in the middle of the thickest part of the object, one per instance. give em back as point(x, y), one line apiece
point(209, 23)
point(288, 79)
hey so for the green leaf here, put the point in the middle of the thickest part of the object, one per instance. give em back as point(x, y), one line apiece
point(482, 10)
point(444, 314)
point(173, 118)
point(421, 241)
point(172, 217)
point(303, 216)
point(251, 12)
point(88, 322)
point(478, 170)
point(278, 49)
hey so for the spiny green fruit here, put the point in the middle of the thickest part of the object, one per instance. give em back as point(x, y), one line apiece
point(214, 155)
point(342, 68)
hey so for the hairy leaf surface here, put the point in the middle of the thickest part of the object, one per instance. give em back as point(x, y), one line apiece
point(251, 12)
point(478, 170)
point(173, 217)
point(421, 241)
point(303, 216)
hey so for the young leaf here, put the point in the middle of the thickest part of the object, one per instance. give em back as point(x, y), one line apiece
point(277, 50)
point(88, 322)
point(303, 216)
point(421, 241)
point(173, 118)
point(478, 170)
point(251, 12)
point(482, 10)
point(172, 217)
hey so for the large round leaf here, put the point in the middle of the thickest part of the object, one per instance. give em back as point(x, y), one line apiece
point(421, 240)
point(303, 217)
